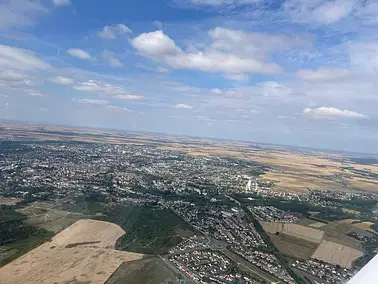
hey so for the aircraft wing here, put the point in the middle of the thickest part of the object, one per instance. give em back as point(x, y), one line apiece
point(368, 274)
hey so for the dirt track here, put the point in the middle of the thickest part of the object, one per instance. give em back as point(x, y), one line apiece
point(84, 252)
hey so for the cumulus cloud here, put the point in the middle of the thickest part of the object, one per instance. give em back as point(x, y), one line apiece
point(331, 113)
point(324, 75)
point(129, 97)
point(183, 106)
point(61, 2)
point(106, 89)
point(111, 59)
point(79, 53)
point(94, 102)
point(320, 12)
point(241, 77)
point(275, 89)
point(113, 31)
point(60, 80)
point(231, 51)
point(15, 58)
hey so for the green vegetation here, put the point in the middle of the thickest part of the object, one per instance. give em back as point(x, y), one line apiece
point(365, 161)
point(149, 270)
point(152, 229)
point(17, 235)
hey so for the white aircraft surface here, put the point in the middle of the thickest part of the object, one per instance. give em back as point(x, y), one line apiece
point(368, 274)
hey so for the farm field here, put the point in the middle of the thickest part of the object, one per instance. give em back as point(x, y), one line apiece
point(9, 201)
point(149, 270)
point(317, 225)
point(294, 247)
point(335, 232)
point(82, 253)
point(337, 254)
point(294, 230)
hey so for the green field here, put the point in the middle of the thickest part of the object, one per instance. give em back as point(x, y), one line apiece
point(152, 230)
point(16, 236)
point(149, 270)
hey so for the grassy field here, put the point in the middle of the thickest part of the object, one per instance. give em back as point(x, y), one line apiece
point(16, 236)
point(293, 247)
point(149, 270)
point(335, 232)
point(153, 230)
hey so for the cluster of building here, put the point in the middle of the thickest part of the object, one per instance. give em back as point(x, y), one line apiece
point(208, 266)
point(190, 244)
point(322, 196)
point(220, 223)
point(265, 261)
point(56, 169)
point(324, 272)
point(272, 214)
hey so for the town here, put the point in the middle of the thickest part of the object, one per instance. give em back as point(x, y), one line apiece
point(221, 199)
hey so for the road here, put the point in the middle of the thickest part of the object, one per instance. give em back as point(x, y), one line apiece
point(240, 261)
point(250, 267)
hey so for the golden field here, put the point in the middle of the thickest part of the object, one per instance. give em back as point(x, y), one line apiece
point(82, 253)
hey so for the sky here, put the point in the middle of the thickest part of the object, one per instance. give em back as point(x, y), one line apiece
point(294, 72)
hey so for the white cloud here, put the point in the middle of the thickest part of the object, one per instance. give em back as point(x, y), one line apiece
point(118, 109)
point(115, 62)
point(241, 77)
point(44, 109)
point(324, 75)
point(275, 89)
point(162, 69)
point(156, 45)
point(79, 53)
point(94, 102)
point(113, 31)
point(111, 58)
point(321, 12)
point(19, 13)
point(106, 89)
point(60, 80)
point(231, 52)
point(61, 2)
point(216, 91)
point(331, 113)
point(183, 106)
point(36, 94)
point(129, 97)
point(253, 111)
point(234, 93)
point(15, 58)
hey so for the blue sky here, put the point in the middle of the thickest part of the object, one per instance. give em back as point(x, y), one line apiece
point(292, 72)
